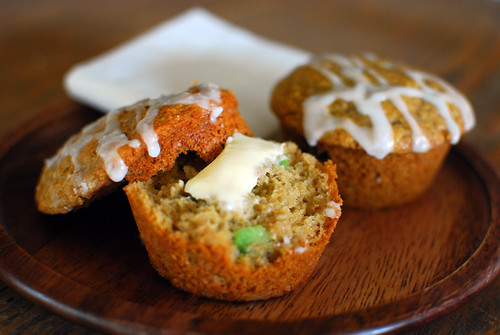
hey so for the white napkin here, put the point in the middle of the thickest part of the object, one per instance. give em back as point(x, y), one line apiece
point(193, 46)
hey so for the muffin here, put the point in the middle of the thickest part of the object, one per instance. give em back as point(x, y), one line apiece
point(387, 126)
point(135, 142)
point(250, 225)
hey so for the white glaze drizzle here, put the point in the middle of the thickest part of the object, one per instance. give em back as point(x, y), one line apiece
point(378, 140)
point(207, 98)
point(111, 138)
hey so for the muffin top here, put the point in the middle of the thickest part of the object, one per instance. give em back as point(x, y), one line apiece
point(370, 103)
point(135, 142)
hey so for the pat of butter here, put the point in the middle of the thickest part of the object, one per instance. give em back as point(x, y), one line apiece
point(234, 173)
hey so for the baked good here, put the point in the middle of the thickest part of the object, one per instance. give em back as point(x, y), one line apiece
point(244, 223)
point(250, 225)
point(387, 126)
point(135, 142)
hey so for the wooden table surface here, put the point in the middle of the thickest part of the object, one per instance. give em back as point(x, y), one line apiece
point(457, 39)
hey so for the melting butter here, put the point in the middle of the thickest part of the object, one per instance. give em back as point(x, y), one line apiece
point(231, 177)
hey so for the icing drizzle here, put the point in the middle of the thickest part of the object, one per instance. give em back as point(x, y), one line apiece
point(378, 140)
point(111, 138)
point(207, 98)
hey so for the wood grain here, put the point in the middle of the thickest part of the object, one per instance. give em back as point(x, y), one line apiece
point(458, 39)
point(384, 270)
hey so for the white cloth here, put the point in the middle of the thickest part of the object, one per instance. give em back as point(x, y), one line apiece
point(193, 46)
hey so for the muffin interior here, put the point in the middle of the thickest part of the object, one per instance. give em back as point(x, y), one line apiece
point(285, 211)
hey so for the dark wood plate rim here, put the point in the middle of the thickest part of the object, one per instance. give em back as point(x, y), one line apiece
point(121, 316)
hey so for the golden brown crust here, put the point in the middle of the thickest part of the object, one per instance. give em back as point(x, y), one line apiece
point(183, 128)
point(59, 190)
point(180, 128)
point(368, 182)
point(210, 270)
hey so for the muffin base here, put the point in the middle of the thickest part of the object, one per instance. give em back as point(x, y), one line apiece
point(210, 270)
point(367, 182)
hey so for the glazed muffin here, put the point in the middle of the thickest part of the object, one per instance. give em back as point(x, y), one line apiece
point(250, 225)
point(387, 126)
point(135, 142)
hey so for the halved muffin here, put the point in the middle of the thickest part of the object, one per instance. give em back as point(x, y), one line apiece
point(250, 225)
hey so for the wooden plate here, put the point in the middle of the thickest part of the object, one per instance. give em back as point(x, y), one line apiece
point(383, 270)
